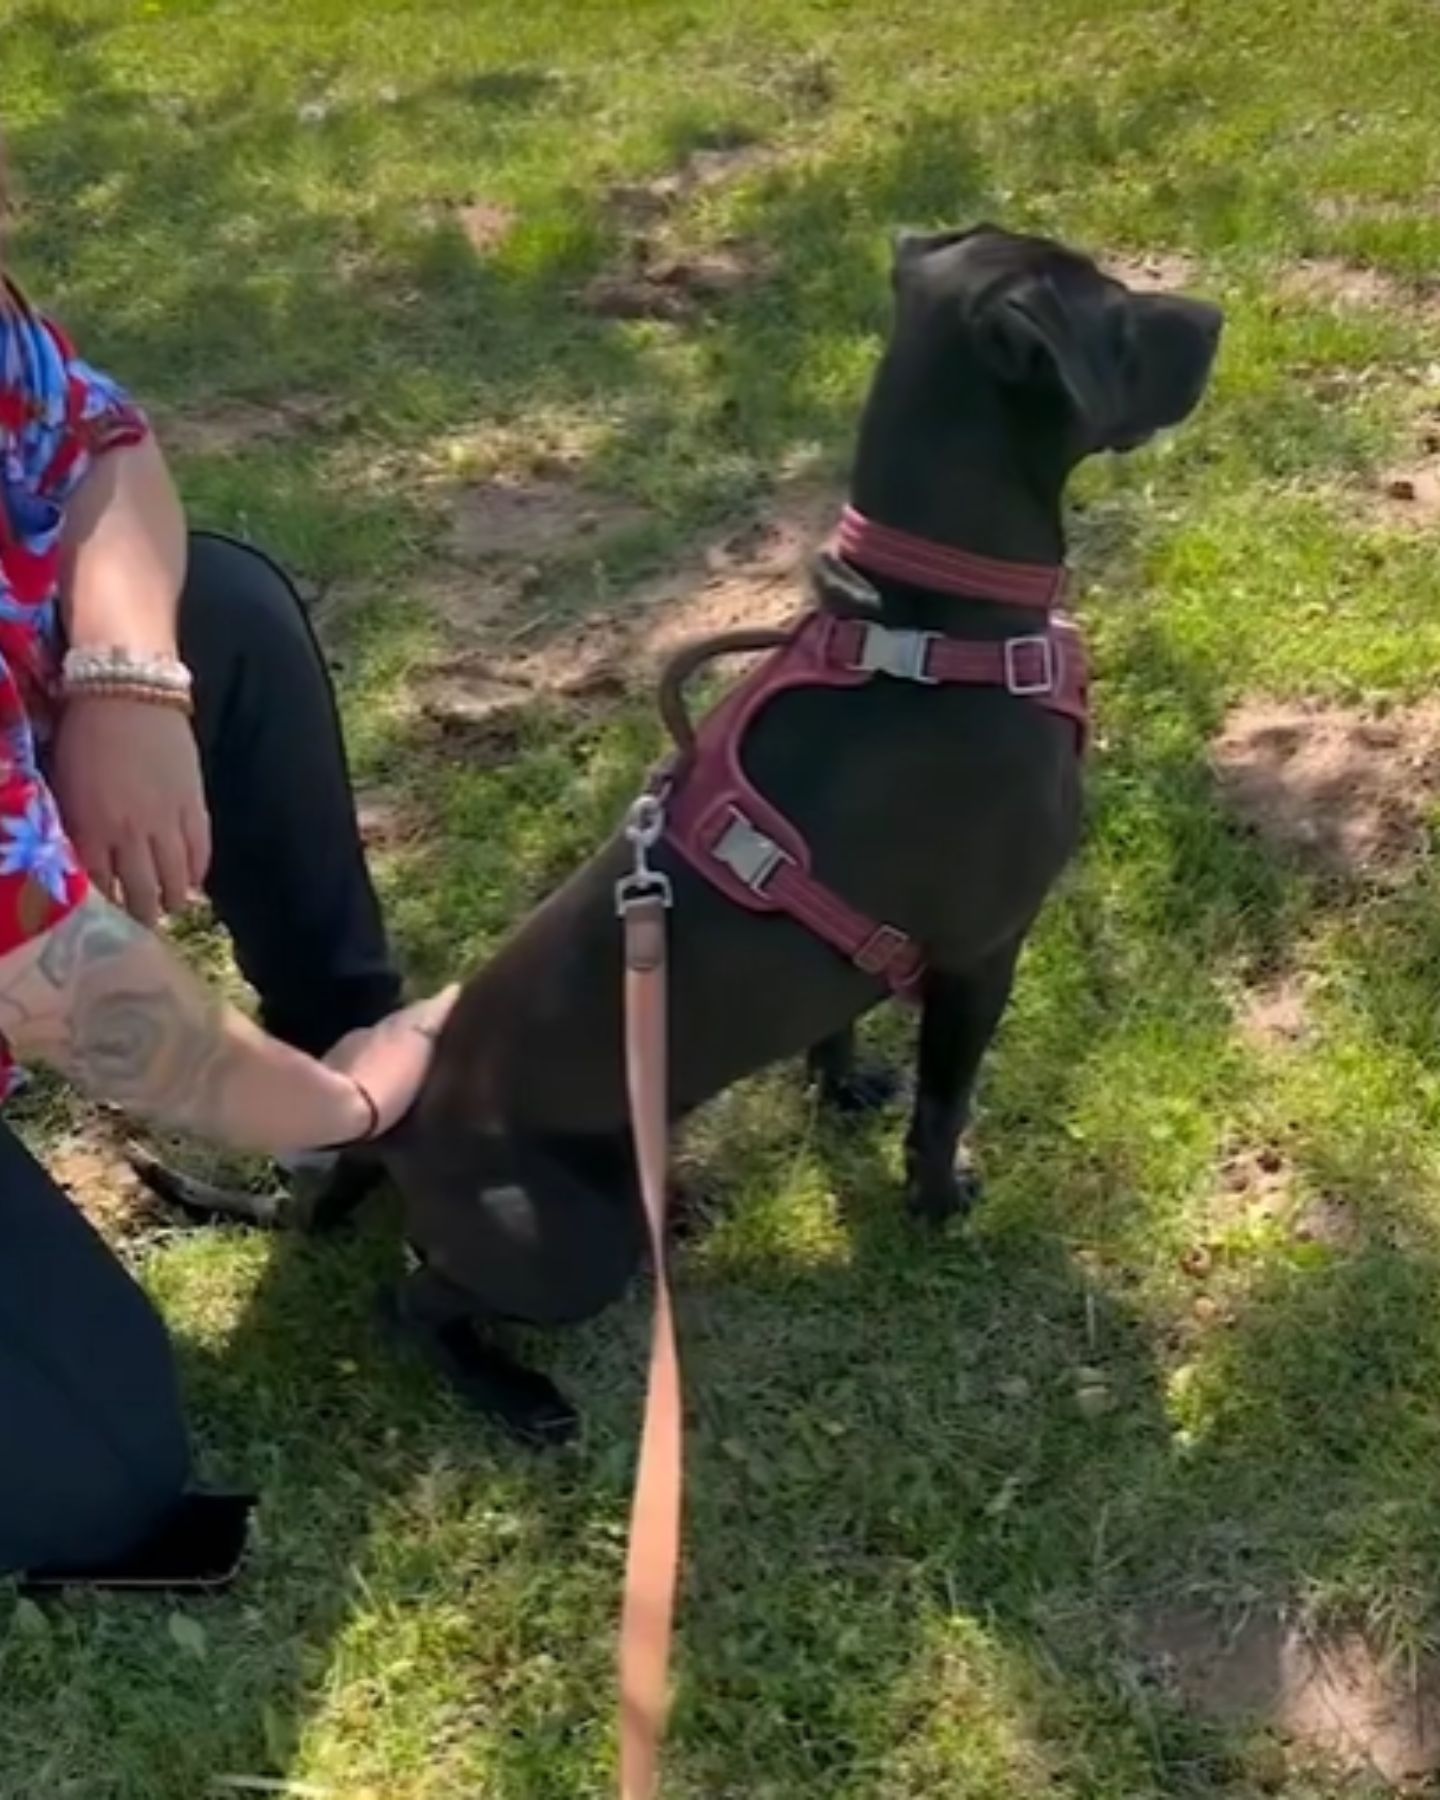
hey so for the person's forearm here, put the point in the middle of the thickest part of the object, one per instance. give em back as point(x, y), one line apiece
point(108, 1004)
point(123, 559)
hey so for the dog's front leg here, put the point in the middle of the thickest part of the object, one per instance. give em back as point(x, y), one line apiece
point(960, 1013)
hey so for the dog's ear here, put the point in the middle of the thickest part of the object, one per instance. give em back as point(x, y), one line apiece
point(1034, 335)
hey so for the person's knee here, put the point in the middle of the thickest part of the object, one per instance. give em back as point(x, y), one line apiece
point(236, 601)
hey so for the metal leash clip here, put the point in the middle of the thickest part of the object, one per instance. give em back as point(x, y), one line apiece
point(644, 826)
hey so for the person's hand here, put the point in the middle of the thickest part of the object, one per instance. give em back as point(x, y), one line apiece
point(126, 776)
point(390, 1060)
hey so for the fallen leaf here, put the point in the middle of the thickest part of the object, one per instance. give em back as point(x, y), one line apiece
point(29, 1621)
point(189, 1635)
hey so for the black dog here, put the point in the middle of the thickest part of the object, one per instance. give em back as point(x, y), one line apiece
point(949, 811)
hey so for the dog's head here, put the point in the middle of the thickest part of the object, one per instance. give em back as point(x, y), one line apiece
point(1027, 328)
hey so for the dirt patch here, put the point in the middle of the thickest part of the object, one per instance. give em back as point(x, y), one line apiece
point(754, 575)
point(1274, 1015)
point(1329, 1696)
point(509, 519)
point(1410, 496)
point(1154, 271)
point(90, 1165)
point(644, 202)
point(386, 821)
point(1259, 1183)
point(675, 288)
point(484, 224)
point(232, 426)
point(1256, 1181)
point(1338, 789)
point(1331, 281)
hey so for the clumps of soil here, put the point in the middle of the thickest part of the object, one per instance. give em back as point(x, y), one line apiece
point(1410, 496)
point(1258, 1183)
point(675, 288)
point(1344, 792)
point(660, 278)
point(1152, 271)
point(1327, 1696)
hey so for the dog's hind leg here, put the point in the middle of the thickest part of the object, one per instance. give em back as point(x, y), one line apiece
point(438, 1320)
point(845, 1086)
point(958, 1021)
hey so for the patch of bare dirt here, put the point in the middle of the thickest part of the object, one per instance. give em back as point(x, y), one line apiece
point(230, 426)
point(386, 821)
point(509, 519)
point(1258, 1182)
point(90, 1165)
point(485, 224)
point(756, 575)
point(1274, 1015)
point(1154, 271)
point(1410, 496)
point(1329, 1697)
point(1341, 790)
point(1331, 281)
point(674, 287)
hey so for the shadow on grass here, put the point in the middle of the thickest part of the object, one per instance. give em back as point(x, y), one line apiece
point(889, 1436)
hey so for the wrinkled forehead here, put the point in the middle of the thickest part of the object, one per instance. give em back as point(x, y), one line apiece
point(984, 260)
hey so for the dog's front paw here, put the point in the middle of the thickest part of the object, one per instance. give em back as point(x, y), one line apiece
point(934, 1197)
point(859, 1091)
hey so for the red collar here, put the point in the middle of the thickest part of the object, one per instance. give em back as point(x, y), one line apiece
point(882, 550)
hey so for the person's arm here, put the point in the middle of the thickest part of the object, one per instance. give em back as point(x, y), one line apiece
point(126, 774)
point(123, 561)
point(107, 1004)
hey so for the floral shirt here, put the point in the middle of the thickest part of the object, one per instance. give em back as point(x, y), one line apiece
point(56, 415)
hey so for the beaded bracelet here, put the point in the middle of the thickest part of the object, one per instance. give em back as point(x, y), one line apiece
point(118, 674)
point(140, 692)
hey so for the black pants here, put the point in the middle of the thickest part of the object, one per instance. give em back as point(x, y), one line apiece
point(93, 1448)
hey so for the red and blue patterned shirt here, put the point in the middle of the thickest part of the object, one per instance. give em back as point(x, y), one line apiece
point(57, 414)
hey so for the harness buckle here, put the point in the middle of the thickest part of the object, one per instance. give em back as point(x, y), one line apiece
point(750, 856)
point(1041, 679)
point(903, 654)
point(884, 946)
point(644, 827)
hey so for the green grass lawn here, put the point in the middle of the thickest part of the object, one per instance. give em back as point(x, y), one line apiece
point(941, 1492)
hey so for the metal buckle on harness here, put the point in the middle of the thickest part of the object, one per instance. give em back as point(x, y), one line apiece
point(750, 856)
point(903, 654)
point(1015, 681)
point(884, 946)
point(644, 827)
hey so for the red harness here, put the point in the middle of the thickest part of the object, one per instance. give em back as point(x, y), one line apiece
point(720, 823)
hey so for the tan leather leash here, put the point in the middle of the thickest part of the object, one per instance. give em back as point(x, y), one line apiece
point(652, 1564)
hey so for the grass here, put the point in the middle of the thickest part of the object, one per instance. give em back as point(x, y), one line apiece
point(913, 1549)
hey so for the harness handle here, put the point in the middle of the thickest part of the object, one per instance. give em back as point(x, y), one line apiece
point(690, 657)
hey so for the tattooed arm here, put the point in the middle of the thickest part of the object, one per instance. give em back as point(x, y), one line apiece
point(108, 1004)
